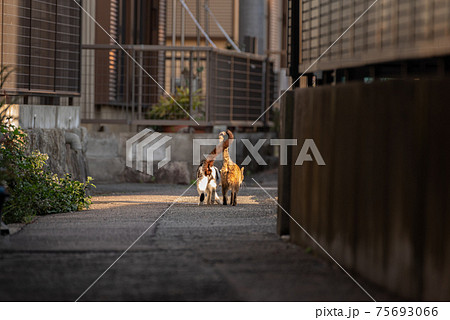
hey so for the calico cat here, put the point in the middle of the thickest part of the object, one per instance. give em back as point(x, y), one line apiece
point(232, 176)
point(208, 177)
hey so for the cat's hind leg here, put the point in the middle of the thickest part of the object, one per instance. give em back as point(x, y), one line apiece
point(201, 198)
point(211, 189)
point(208, 197)
point(202, 183)
point(213, 195)
point(234, 198)
point(224, 194)
point(216, 197)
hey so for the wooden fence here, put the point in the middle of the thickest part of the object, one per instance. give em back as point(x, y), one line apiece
point(381, 204)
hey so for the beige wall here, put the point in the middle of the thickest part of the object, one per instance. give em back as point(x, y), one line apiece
point(225, 12)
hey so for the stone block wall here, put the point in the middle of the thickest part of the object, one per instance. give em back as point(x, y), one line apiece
point(64, 155)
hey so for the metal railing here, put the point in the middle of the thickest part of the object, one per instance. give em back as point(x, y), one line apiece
point(213, 86)
point(40, 43)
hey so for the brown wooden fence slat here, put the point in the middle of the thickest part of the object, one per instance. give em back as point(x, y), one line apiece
point(381, 205)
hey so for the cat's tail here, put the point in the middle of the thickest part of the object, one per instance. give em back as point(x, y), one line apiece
point(230, 136)
point(227, 142)
point(211, 157)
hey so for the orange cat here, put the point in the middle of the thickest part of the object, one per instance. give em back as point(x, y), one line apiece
point(232, 176)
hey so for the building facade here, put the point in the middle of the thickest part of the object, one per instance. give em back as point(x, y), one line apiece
point(135, 59)
point(392, 39)
point(40, 44)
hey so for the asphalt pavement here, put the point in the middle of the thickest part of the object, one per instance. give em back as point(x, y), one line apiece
point(185, 252)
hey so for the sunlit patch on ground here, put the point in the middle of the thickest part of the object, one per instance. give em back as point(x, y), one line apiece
point(111, 201)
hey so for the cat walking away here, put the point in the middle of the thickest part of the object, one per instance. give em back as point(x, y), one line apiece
point(232, 176)
point(208, 177)
point(207, 181)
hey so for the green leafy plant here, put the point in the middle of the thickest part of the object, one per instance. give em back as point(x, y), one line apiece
point(34, 189)
point(168, 109)
point(4, 74)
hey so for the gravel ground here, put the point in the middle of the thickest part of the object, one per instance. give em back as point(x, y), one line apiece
point(192, 253)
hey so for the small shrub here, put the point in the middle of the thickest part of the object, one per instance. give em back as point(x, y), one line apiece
point(34, 189)
point(168, 109)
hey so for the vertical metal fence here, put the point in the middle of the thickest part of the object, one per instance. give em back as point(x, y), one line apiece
point(40, 42)
point(132, 86)
point(390, 30)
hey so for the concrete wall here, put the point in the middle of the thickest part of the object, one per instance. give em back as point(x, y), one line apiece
point(381, 204)
point(64, 156)
point(45, 117)
point(54, 130)
point(105, 154)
